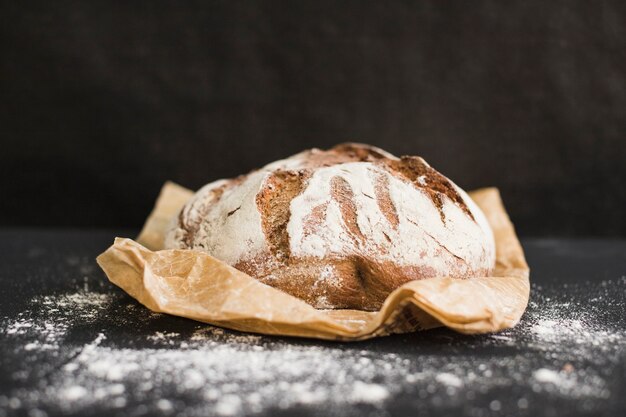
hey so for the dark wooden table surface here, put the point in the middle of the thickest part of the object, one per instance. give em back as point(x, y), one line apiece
point(73, 344)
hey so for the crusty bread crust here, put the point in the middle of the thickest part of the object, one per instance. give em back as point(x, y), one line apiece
point(340, 228)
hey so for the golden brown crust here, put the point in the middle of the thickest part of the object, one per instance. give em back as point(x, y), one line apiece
point(356, 281)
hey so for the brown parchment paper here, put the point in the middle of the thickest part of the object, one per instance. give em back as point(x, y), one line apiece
point(192, 284)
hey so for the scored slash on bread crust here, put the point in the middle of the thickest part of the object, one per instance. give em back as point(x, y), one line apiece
point(339, 228)
point(273, 201)
point(416, 170)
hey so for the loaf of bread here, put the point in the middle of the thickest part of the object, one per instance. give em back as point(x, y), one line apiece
point(339, 228)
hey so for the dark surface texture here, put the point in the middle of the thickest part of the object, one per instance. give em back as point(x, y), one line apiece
point(73, 344)
point(101, 102)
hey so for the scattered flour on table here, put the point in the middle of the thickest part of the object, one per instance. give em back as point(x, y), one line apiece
point(218, 372)
point(51, 317)
point(449, 379)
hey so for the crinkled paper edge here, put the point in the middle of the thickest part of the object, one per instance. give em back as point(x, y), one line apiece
point(192, 284)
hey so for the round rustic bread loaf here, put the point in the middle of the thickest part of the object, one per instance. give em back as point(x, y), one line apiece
point(340, 228)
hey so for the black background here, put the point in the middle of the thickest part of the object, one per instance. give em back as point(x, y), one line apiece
point(101, 102)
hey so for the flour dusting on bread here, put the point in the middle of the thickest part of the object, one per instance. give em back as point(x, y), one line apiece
point(339, 228)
